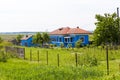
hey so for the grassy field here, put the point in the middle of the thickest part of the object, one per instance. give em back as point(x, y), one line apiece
point(8, 37)
point(91, 65)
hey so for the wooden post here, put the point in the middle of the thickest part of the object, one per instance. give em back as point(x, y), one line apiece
point(119, 67)
point(38, 55)
point(30, 55)
point(24, 53)
point(76, 59)
point(107, 60)
point(6, 51)
point(47, 57)
point(58, 60)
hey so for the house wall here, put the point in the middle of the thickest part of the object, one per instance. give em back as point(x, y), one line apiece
point(27, 42)
point(55, 39)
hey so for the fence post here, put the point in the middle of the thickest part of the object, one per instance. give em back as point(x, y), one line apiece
point(6, 51)
point(47, 57)
point(119, 67)
point(76, 59)
point(107, 60)
point(24, 53)
point(30, 55)
point(58, 59)
point(38, 55)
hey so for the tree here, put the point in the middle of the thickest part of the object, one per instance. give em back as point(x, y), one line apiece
point(107, 30)
point(37, 38)
point(46, 37)
point(18, 38)
point(1, 40)
point(41, 38)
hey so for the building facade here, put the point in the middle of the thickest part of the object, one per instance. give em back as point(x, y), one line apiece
point(27, 41)
point(69, 36)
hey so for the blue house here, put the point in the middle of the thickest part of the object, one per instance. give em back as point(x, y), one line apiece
point(66, 36)
point(26, 41)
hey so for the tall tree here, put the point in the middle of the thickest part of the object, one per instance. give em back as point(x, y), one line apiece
point(46, 37)
point(37, 38)
point(107, 30)
point(1, 39)
point(18, 38)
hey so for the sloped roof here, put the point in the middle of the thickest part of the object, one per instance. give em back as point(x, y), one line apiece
point(67, 30)
point(26, 37)
point(77, 31)
point(60, 31)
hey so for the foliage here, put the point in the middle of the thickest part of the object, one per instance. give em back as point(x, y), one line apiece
point(107, 30)
point(3, 57)
point(37, 39)
point(1, 40)
point(46, 37)
point(69, 45)
point(61, 45)
point(18, 38)
point(41, 38)
point(78, 44)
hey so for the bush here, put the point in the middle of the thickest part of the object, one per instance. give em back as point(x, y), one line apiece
point(87, 60)
point(3, 57)
point(69, 45)
point(78, 44)
point(61, 45)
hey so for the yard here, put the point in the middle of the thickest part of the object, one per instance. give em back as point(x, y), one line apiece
point(91, 64)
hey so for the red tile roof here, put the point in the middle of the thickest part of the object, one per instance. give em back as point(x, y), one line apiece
point(67, 30)
point(59, 31)
point(26, 37)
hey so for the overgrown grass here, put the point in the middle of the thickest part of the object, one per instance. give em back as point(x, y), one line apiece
point(23, 70)
point(91, 65)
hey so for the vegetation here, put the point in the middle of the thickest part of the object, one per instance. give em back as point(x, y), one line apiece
point(41, 38)
point(18, 38)
point(1, 39)
point(107, 30)
point(78, 44)
point(91, 65)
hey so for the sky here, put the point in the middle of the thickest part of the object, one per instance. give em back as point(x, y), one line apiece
point(48, 15)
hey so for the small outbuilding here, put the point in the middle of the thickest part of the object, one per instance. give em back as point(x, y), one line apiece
point(27, 41)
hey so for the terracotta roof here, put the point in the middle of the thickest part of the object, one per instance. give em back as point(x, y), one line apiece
point(77, 31)
point(59, 31)
point(67, 30)
point(26, 37)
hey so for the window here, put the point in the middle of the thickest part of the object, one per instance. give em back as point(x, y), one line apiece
point(82, 39)
point(65, 39)
point(60, 39)
point(71, 39)
point(53, 39)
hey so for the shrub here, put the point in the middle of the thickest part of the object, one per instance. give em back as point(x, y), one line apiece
point(87, 60)
point(3, 57)
point(69, 45)
point(78, 44)
point(61, 45)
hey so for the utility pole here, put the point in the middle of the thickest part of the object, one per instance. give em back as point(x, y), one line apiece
point(118, 24)
point(118, 17)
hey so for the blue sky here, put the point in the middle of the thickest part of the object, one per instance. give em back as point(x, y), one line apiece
point(47, 15)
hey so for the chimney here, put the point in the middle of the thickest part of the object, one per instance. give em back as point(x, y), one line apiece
point(26, 35)
point(77, 26)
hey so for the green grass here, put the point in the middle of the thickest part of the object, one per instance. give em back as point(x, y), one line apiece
point(8, 37)
point(19, 69)
point(16, 69)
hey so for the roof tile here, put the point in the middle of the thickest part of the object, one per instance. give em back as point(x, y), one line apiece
point(67, 30)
